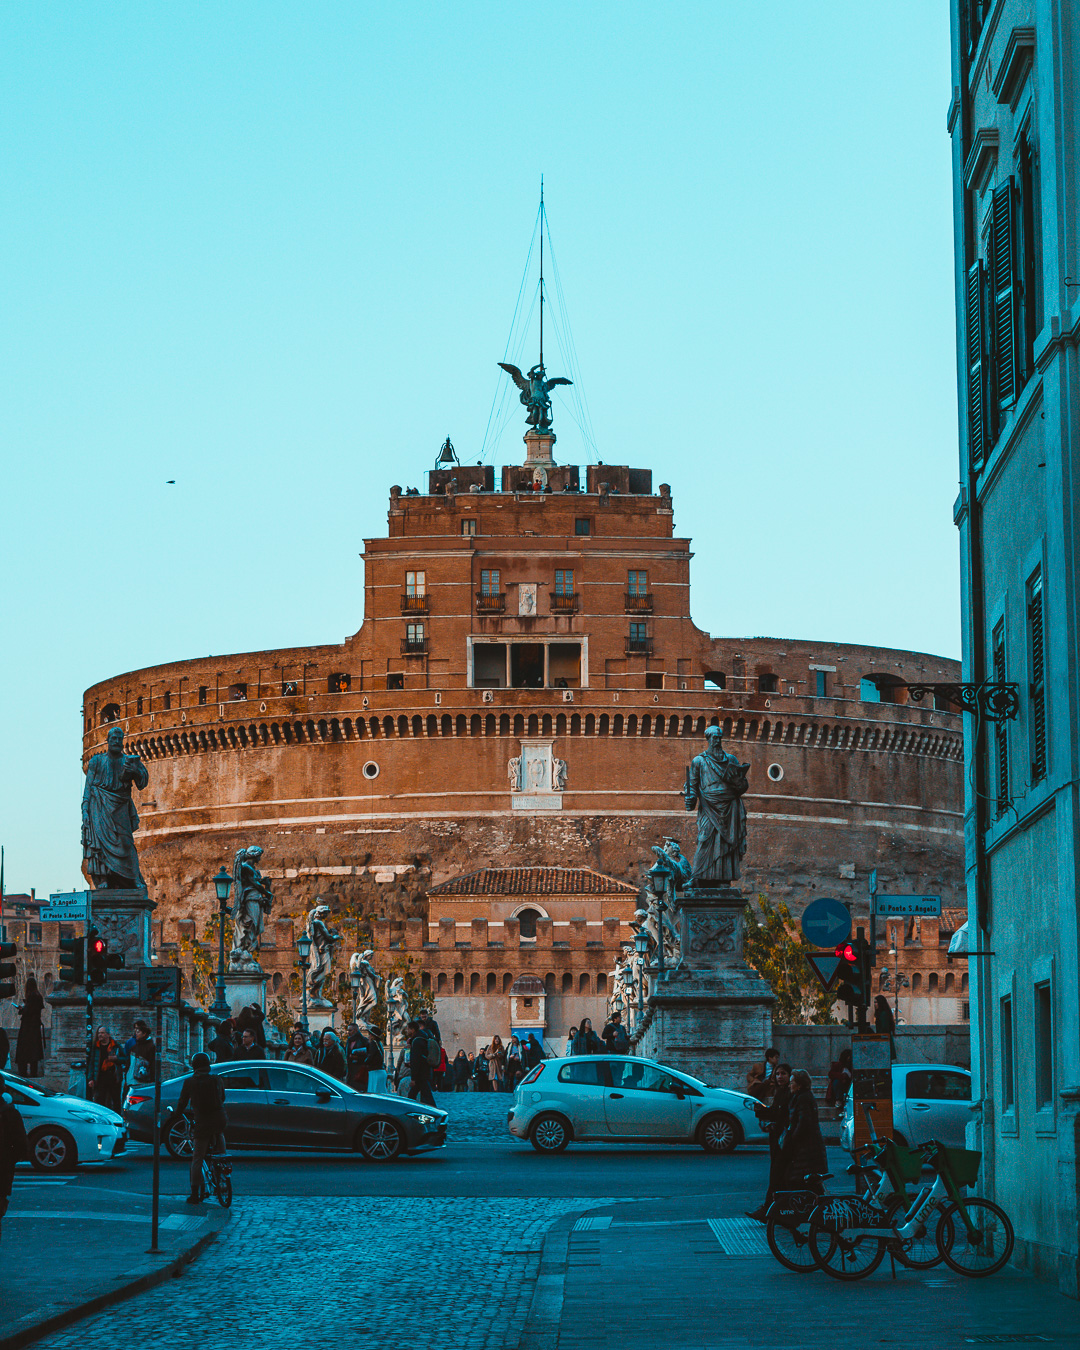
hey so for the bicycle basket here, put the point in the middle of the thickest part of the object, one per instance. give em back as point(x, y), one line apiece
point(962, 1164)
point(906, 1162)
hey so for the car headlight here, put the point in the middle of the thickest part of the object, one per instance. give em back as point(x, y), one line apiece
point(87, 1116)
point(423, 1120)
point(750, 1103)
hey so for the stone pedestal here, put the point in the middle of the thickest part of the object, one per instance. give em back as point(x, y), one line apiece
point(244, 987)
point(320, 1018)
point(538, 448)
point(712, 1017)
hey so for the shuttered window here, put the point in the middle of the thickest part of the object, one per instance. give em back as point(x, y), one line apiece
point(489, 582)
point(1006, 289)
point(1001, 733)
point(1037, 656)
point(976, 359)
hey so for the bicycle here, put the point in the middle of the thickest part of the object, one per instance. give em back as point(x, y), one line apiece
point(217, 1178)
point(849, 1240)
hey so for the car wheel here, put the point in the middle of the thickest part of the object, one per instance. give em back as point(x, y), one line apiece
point(549, 1134)
point(379, 1140)
point(52, 1150)
point(180, 1139)
point(718, 1134)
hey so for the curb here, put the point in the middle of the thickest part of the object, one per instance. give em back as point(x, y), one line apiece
point(541, 1331)
point(32, 1331)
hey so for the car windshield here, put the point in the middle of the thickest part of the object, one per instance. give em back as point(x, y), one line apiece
point(39, 1088)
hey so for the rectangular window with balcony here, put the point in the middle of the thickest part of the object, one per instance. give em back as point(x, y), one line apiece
point(415, 583)
point(1044, 1047)
point(638, 637)
point(1037, 682)
point(1008, 1064)
point(468, 527)
point(414, 634)
point(637, 583)
point(489, 581)
point(564, 582)
point(1000, 739)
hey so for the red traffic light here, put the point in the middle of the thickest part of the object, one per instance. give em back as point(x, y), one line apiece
point(846, 952)
point(97, 946)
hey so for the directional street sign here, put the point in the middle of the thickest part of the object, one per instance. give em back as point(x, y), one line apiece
point(917, 906)
point(67, 907)
point(826, 967)
point(159, 984)
point(826, 922)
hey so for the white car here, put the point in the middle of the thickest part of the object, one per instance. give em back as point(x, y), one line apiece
point(619, 1098)
point(64, 1131)
point(930, 1101)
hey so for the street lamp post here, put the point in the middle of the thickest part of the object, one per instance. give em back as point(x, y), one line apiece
point(222, 882)
point(659, 878)
point(641, 946)
point(303, 949)
point(355, 979)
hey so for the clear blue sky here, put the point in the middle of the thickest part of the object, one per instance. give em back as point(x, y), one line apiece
point(272, 251)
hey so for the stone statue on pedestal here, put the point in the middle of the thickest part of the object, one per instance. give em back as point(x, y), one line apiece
point(109, 818)
point(367, 996)
point(715, 784)
point(251, 905)
point(323, 941)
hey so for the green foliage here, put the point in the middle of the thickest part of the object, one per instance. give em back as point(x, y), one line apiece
point(777, 950)
point(281, 1016)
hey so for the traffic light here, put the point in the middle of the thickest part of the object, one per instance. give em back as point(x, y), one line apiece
point(99, 960)
point(8, 951)
point(854, 986)
point(97, 949)
point(72, 952)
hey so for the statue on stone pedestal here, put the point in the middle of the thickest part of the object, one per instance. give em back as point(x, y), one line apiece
point(535, 393)
point(251, 905)
point(109, 818)
point(513, 773)
point(715, 784)
point(323, 941)
point(367, 996)
point(558, 775)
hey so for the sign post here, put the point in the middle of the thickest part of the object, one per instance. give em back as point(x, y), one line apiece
point(909, 906)
point(871, 1085)
point(159, 985)
point(67, 907)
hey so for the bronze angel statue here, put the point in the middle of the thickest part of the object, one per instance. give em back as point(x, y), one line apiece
point(535, 393)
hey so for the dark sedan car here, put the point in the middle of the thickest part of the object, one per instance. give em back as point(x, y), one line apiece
point(291, 1106)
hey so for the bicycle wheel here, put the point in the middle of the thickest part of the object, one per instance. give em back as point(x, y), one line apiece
point(223, 1188)
point(919, 1252)
point(845, 1258)
point(986, 1250)
point(789, 1242)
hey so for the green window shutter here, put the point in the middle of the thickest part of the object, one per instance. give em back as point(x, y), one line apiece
point(1038, 679)
point(976, 358)
point(1006, 351)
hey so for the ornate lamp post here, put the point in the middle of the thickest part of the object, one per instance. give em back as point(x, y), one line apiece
point(659, 878)
point(222, 883)
point(303, 949)
point(355, 979)
point(641, 946)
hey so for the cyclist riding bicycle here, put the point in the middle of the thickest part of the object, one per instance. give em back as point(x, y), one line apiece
point(203, 1096)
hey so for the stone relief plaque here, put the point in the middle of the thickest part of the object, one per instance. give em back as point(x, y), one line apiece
point(712, 934)
point(526, 599)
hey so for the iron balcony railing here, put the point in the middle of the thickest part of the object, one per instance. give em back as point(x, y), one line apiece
point(413, 646)
point(563, 604)
point(638, 604)
point(414, 604)
point(490, 604)
point(638, 646)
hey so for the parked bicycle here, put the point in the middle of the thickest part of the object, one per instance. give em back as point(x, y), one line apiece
point(850, 1237)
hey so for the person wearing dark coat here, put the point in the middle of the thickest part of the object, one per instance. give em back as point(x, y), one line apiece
point(30, 1047)
point(587, 1042)
point(615, 1036)
point(330, 1056)
point(363, 1054)
point(419, 1065)
point(103, 1071)
point(773, 1116)
point(884, 1022)
point(5, 1048)
point(803, 1149)
point(13, 1145)
point(203, 1097)
point(462, 1070)
point(221, 1046)
point(534, 1051)
point(249, 1047)
point(251, 1018)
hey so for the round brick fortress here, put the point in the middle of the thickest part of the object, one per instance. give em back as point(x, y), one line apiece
point(539, 627)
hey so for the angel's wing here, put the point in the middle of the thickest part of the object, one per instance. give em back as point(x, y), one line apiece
point(559, 379)
point(516, 375)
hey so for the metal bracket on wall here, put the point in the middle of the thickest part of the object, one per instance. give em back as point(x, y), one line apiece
point(992, 701)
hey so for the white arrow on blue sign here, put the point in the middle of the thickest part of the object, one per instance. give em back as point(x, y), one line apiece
point(826, 922)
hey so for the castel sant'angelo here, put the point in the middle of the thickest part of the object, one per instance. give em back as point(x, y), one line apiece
point(473, 779)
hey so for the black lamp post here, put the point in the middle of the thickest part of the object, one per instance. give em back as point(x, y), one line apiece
point(658, 884)
point(641, 946)
point(222, 884)
point(303, 949)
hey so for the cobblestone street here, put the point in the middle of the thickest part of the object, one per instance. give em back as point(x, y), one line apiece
point(444, 1274)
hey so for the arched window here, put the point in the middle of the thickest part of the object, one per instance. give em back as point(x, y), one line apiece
point(567, 983)
point(950, 980)
point(388, 726)
point(549, 982)
point(432, 725)
point(508, 980)
point(440, 983)
point(110, 713)
point(932, 982)
point(425, 980)
point(462, 725)
point(583, 983)
point(418, 725)
point(963, 983)
point(601, 983)
point(491, 982)
point(447, 726)
point(403, 726)
point(504, 724)
point(527, 919)
point(474, 982)
point(475, 725)
point(916, 982)
point(489, 725)
point(459, 982)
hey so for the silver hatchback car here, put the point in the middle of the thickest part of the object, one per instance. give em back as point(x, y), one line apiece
point(617, 1098)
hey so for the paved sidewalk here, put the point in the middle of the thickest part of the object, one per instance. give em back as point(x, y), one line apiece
point(694, 1275)
point(60, 1260)
point(402, 1274)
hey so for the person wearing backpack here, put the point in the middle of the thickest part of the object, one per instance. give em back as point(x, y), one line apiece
point(420, 1063)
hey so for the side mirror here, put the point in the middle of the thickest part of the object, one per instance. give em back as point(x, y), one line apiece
point(323, 1096)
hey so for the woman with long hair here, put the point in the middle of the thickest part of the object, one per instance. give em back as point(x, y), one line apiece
point(496, 1064)
point(299, 1052)
point(30, 1046)
point(587, 1042)
point(514, 1064)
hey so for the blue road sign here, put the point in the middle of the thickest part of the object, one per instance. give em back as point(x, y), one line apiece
point(826, 922)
